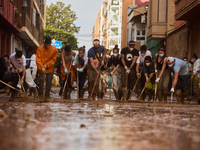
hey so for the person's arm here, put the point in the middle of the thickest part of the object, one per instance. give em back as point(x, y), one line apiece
point(39, 60)
point(123, 61)
point(116, 68)
point(63, 59)
point(133, 63)
point(175, 79)
point(24, 71)
point(92, 64)
point(52, 61)
point(137, 67)
point(155, 62)
point(163, 67)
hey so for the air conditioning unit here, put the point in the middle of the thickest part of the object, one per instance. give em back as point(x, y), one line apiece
point(143, 19)
point(24, 4)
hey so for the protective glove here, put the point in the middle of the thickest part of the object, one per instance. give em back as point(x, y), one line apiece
point(138, 75)
point(172, 90)
point(147, 79)
point(156, 71)
point(45, 66)
point(128, 71)
point(111, 73)
point(43, 70)
point(73, 58)
point(21, 81)
point(157, 80)
point(67, 71)
point(79, 70)
point(192, 77)
point(125, 67)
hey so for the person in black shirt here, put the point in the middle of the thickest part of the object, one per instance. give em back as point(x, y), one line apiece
point(149, 72)
point(117, 73)
point(129, 56)
point(105, 75)
point(58, 72)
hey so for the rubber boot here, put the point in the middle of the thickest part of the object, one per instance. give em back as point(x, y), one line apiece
point(81, 94)
point(165, 93)
point(160, 96)
point(100, 95)
point(183, 97)
point(120, 94)
point(178, 96)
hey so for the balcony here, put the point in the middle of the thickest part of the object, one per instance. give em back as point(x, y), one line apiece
point(29, 33)
point(9, 20)
point(187, 9)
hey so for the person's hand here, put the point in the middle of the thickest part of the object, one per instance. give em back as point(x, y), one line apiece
point(138, 75)
point(67, 71)
point(45, 66)
point(111, 73)
point(157, 80)
point(128, 71)
point(80, 70)
point(77, 69)
point(192, 77)
point(21, 81)
point(125, 67)
point(156, 71)
point(151, 75)
point(172, 90)
point(102, 62)
point(43, 70)
point(73, 58)
point(147, 79)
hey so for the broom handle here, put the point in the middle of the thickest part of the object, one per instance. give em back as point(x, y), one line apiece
point(9, 86)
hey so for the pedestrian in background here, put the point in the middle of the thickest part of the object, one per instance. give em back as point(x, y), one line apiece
point(46, 56)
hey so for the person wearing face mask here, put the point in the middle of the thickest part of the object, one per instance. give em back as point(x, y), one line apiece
point(68, 56)
point(104, 76)
point(196, 76)
point(180, 70)
point(149, 72)
point(117, 73)
point(96, 56)
point(163, 72)
point(18, 62)
point(46, 56)
point(189, 83)
point(129, 56)
point(139, 64)
point(80, 63)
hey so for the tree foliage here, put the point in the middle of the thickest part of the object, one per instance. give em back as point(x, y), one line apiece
point(60, 17)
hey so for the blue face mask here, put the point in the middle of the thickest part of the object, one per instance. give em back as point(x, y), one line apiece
point(170, 66)
point(161, 55)
point(185, 62)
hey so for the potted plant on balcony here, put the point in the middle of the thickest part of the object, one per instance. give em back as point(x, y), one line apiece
point(18, 19)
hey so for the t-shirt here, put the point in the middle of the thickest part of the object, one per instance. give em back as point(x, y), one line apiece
point(196, 68)
point(141, 58)
point(99, 53)
point(18, 64)
point(149, 70)
point(129, 55)
point(180, 66)
point(115, 60)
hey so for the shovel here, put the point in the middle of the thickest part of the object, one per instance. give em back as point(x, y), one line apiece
point(156, 87)
point(77, 82)
point(21, 94)
point(171, 97)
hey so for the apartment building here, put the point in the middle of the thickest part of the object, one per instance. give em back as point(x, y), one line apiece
point(10, 16)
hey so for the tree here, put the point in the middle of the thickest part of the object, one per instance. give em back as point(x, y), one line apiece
point(60, 17)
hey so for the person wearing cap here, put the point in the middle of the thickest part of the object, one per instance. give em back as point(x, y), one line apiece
point(18, 62)
point(67, 68)
point(162, 69)
point(96, 56)
point(139, 66)
point(196, 76)
point(180, 70)
point(129, 56)
point(46, 56)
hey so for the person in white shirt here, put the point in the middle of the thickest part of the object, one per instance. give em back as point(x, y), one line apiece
point(18, 62)
point(139, 66)
point(31, 72)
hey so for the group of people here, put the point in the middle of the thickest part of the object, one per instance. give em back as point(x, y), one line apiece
point(128, 69)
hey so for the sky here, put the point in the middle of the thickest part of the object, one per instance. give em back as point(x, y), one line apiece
point(86, 12)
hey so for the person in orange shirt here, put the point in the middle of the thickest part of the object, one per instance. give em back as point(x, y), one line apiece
point(46, 56)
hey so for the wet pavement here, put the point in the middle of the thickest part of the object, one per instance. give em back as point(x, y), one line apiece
point(98, 126)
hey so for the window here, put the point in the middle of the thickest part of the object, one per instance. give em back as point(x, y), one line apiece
point(140, 35)
point(41, 1)
point(34, 16)
point(162, 10)
point(1, 3)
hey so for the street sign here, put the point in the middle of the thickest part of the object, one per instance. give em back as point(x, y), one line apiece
point(57, 44)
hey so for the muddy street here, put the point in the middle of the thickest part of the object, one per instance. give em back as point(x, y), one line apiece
point(98, 125)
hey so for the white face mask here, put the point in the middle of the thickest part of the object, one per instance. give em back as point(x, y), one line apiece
point(115, 55)
point(148, 64)
point(143, 55)
point(107, 56)
point(81, 55)
point(131, 49)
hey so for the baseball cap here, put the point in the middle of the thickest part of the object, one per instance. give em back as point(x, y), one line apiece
point(170, 59)
point(131, 42)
